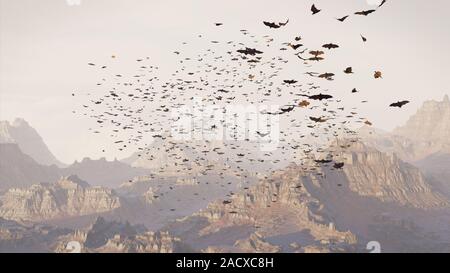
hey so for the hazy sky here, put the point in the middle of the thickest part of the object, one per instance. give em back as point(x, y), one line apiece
point(45, 46)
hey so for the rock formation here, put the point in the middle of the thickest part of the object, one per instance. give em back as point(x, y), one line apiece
point(66, 198)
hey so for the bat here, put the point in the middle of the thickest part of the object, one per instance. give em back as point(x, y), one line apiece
point(304, 103)
point(290, 81)
point(314, 10)
point(399, 104)
point(328, 76)
point(342, 19)
point(365, 12)
point(363, 38)
point(271, 25)
point(316, 52)
point(275, 25)
point(348, 70)
point(319, 97)
point(330, 46)
point(320, 120)
point(249, 51)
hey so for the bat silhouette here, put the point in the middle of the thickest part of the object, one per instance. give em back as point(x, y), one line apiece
point(249, 51)
point(363, 38)
point(399, 104)
point(330, 46)
point(365, 12)
point(343, 18)
point(316, 52)
point(304, 103)
point(320, 120)
point(319, 97)
point(290, 81)
point(328, 76)
point(275, 25)
point(314, 9)
point(348, 70)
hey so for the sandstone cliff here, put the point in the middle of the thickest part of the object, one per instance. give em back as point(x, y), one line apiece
point(66, 198)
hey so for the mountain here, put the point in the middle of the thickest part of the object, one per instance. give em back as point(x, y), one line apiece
point(370, 172)
point(103, 173)
point(28, 140)
point(20, 170)
point(328, 210)
point(69, 197)
point(171, 157)
point(112, 236)
point(425, 133)
point(431, 124)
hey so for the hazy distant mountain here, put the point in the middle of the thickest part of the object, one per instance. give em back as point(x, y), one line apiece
point(103, 173)
point(29, 141)
point(20, 170)
point(171, 157)
point(427, 132)
point(431, 124)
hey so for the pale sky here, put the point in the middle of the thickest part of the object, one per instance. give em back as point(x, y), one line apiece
point(45, 46)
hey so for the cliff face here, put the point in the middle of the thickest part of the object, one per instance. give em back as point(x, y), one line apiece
point(386, 177)
point(65, 198)
point(431, 123)
point(425, 133)
point(298, 206)
point(29, 141)
point(278, 206)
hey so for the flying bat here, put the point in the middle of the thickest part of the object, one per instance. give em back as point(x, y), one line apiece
point(330, 46)
point(363, 38)
point(319, 97)
point(249, 51)
point(365, 12)
point(328, 76)
point(399, 104)
point(271, 25)
point(348, 70)
point(316, 52)
point(275, 25)
point(320, 120)
point(314, 10)
point(342, 19)
point(304, 103)
point(290, 81)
